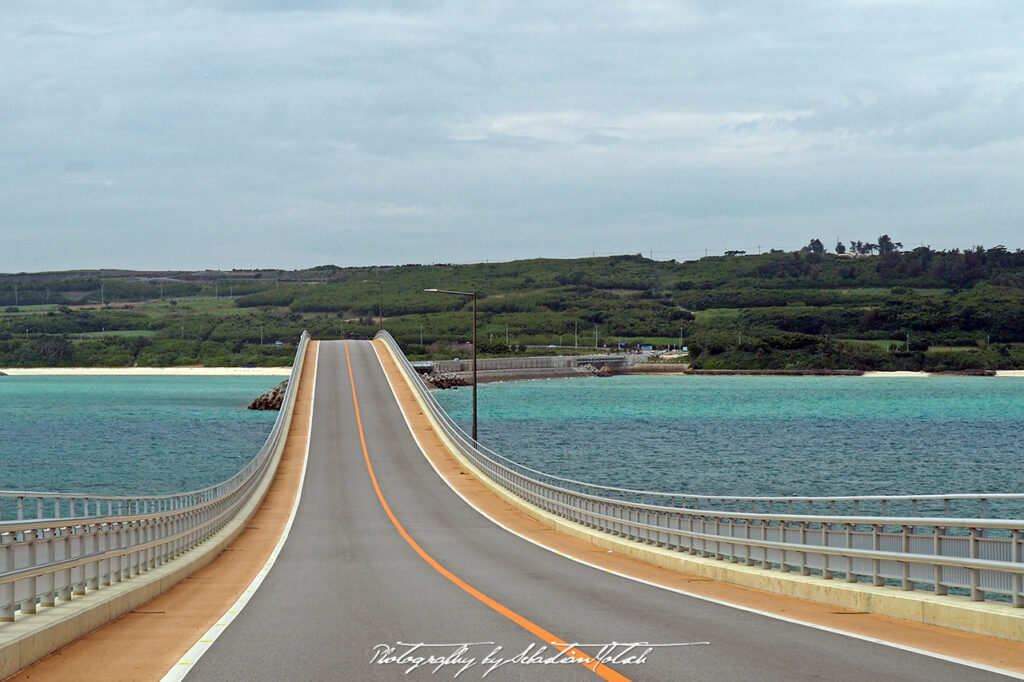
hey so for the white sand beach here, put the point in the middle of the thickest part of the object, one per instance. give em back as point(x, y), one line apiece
point(896, 374)
point(147, 371)
point(1012, 373)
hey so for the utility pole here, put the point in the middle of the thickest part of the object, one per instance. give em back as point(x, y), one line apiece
point(680, 339)
point(506, 334)
point(595, 335)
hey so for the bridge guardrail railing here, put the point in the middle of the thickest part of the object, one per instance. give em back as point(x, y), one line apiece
point(906, 541)
point(62, 544)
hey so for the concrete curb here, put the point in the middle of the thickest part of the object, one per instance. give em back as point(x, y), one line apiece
point(955, 612)
point(33, 637)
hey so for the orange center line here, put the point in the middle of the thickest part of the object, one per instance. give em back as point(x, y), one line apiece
point(584, 659)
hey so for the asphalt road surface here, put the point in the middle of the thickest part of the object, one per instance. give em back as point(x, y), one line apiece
point(349, 596)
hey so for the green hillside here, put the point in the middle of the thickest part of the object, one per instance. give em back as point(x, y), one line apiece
point(880, 309)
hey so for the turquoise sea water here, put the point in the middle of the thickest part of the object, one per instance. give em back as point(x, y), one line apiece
point(699, 435)
point(761, 435)
point(127, 435)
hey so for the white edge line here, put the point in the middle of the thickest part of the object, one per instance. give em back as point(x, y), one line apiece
point(184, 665)
point(768, 614)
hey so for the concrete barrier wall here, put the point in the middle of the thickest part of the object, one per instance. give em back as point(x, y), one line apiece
point(544, 362)
point(487, 364)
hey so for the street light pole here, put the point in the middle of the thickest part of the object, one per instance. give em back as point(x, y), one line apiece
point(380, 301)
point(472, 295)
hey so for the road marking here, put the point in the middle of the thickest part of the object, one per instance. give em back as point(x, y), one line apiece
point(712, 600)
point(599, 669)
point(192, 656)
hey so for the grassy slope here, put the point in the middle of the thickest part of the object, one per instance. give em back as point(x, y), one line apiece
point(776, 310)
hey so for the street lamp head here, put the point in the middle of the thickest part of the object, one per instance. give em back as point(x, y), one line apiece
point(469, 294)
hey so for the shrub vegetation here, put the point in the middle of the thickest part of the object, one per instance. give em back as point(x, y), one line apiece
point(874, 306)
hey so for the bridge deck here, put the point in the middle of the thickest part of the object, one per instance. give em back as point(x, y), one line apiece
point(351, 584)
point(348, 583)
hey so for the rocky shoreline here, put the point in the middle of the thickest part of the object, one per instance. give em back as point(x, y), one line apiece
point(681, 369)
point(456, 379)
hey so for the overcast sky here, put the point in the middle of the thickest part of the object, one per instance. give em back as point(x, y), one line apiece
point(294, 133)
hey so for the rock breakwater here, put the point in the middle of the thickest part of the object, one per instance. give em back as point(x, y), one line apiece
point(271, 400)
point(444, 380)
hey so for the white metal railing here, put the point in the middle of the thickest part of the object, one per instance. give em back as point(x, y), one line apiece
point(56, 545)
point(909, 541)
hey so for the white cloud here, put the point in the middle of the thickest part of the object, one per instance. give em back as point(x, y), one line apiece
point(605, 122)
point(674, 138)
